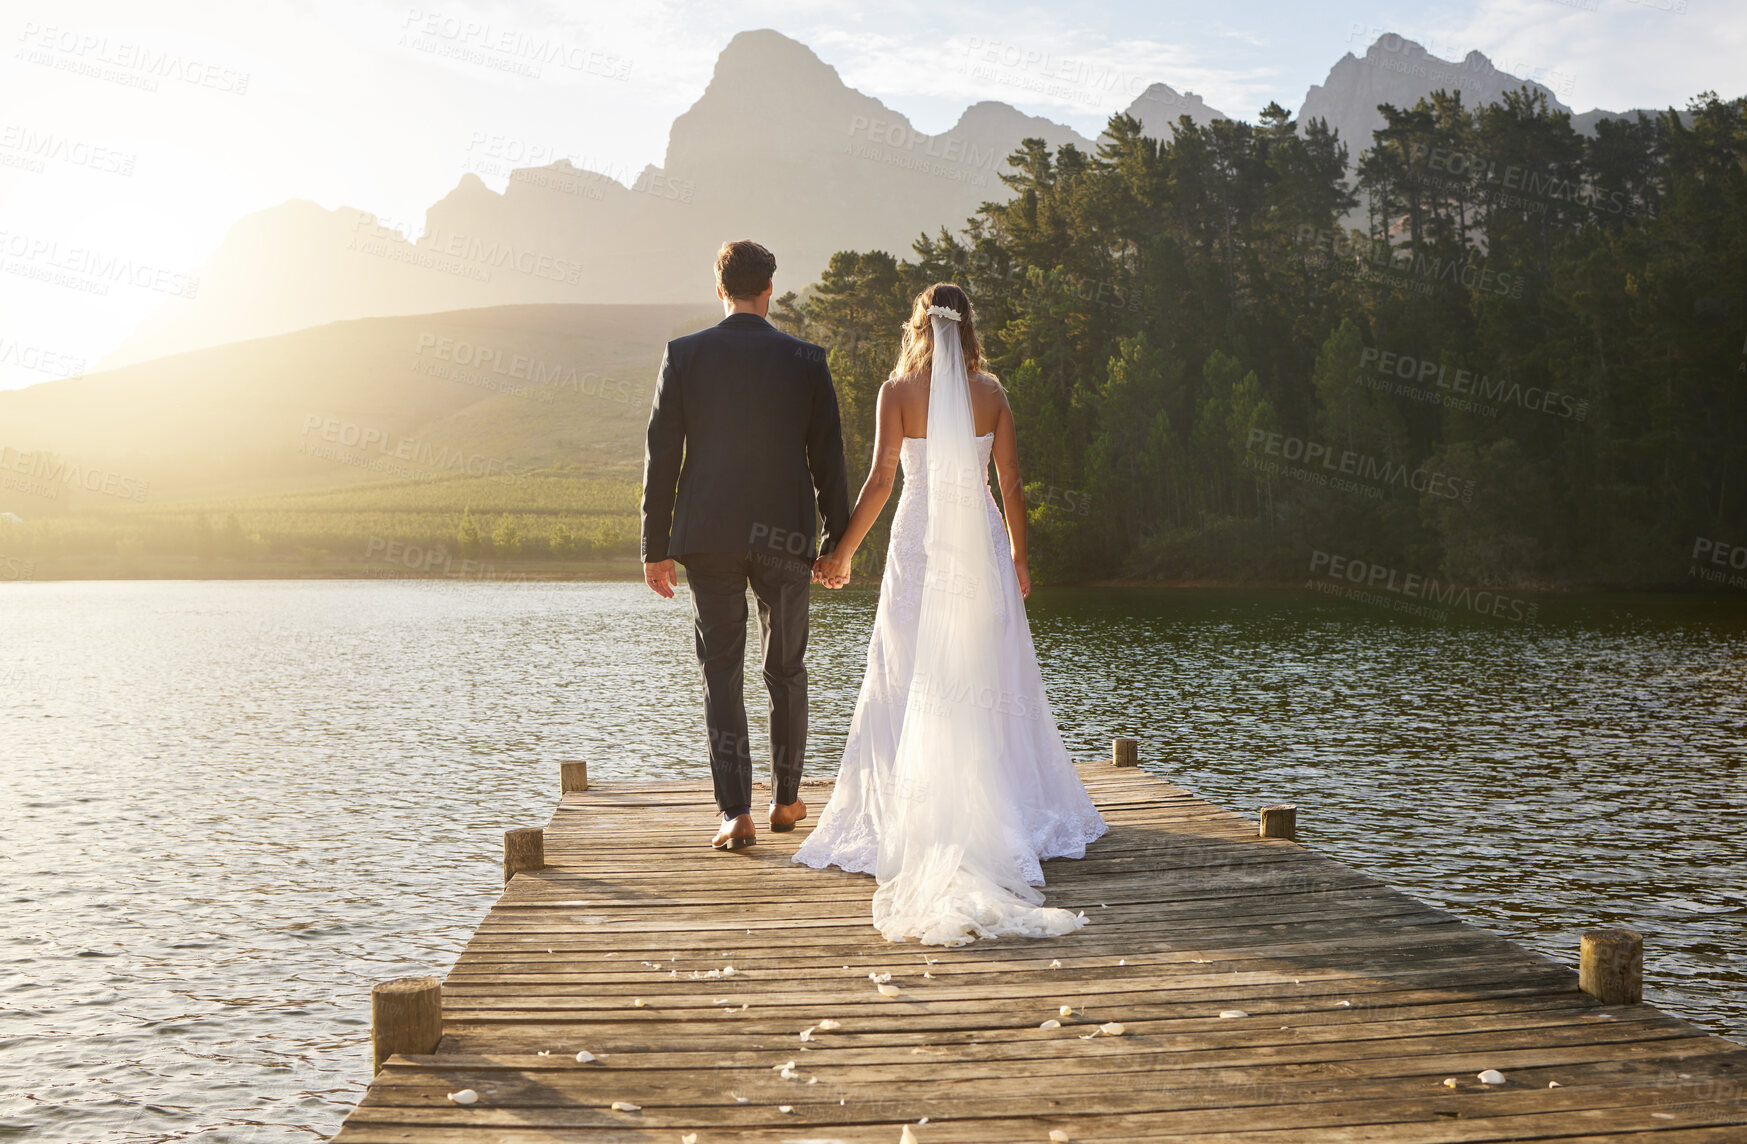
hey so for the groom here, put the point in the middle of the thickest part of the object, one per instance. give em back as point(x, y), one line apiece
point(745, 428)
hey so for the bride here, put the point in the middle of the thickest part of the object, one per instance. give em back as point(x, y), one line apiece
point(954, 783)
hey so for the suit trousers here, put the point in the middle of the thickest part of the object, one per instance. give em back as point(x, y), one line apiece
point(780, 584)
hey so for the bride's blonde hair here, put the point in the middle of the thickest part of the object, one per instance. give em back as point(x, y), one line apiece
point(916, 353)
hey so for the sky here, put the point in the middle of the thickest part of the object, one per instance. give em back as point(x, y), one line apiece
point(143, 129)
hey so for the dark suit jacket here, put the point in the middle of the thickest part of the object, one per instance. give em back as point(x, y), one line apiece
point(745, 428)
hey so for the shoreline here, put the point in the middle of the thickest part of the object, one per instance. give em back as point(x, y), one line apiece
point(624, 570)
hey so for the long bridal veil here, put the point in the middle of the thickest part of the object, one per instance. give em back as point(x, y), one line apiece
point(950, 861)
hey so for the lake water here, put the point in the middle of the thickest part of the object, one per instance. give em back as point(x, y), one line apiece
point(228, 808)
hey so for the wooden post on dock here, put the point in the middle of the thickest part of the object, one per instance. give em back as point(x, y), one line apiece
point(524, 848)
point(1125, 752)
point(406, 1016)
point(572, 776)
point(1610, 966)
point(1279, 822)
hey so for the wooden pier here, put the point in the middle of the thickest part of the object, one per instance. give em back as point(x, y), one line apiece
point(1228, 988)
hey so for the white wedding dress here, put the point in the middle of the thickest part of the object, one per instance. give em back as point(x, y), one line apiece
point(954, 784)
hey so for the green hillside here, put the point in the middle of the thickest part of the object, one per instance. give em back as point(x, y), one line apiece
point(546, 522)
point(480, 392)
point(344, 448)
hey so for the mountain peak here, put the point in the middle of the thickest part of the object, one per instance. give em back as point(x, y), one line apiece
point(764, 54)
point(1400, 72)
point(1160, 106)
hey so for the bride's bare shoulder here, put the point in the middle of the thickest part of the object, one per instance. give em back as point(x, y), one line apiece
point(986, 387)
point(906, 386)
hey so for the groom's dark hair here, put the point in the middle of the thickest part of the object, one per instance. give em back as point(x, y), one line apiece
point(744, 268)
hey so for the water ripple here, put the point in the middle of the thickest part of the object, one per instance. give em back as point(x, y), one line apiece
point(231, 807)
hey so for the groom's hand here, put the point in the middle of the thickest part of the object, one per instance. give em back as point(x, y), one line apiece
point(831, 571)
point(661, 577)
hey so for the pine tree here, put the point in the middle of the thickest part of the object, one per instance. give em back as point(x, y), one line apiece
point(506, 540)
point(467, 536)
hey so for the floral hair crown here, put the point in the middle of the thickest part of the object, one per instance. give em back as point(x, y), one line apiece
point(944, 312)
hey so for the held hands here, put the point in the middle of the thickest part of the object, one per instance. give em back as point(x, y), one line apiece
point(661, 577)
point(833, 570)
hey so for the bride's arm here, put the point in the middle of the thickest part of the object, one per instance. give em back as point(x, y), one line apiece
point(1006, 452)
point(875, 491)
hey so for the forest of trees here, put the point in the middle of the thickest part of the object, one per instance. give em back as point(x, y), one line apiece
point(1527, 366)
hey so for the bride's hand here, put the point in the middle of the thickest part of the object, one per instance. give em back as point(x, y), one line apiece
point(1020, 570)
point(833, 570)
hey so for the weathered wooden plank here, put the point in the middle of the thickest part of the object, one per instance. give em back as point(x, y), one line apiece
point(1358, 1001)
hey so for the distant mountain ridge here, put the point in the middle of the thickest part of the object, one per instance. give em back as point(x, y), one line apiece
point(1399, 71)
point(777, 147)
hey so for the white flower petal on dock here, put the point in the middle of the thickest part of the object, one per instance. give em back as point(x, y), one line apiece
point(729, 971)
point(929, 976)
point(812, 1080)
point(1052, 1023)
point(637, 1004)
point(1056, 964)
point(1112, 1029)
point(1490, 1076)
point(788, 1074)
point(465, 1096)
point(689, 1138)
point(1058, 1136)
point(1124, 961)
point(780, 1068)
point(1343, 1004)
point(544, 1053)
point(1066, 1010)
point(907, 1136)
point(828, 1024)
point(807, 1033)
point(879, 978)
point(1450, 1082)
point(626, 1106)
point(785, 1108)
point(1662, 1115)
point(713, 973)
point(889, 990)
point(933, 961)
point(1554, 1084)
point(738, 1099)
point(585, 1057)
point(1232, 1013)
